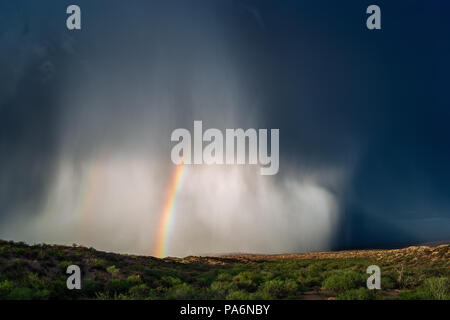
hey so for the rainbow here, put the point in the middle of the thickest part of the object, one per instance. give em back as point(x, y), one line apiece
point(167, 212)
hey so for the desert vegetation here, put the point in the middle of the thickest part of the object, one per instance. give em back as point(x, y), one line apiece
point(38, 272)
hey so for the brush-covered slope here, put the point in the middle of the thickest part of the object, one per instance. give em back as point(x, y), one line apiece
point(39, 272)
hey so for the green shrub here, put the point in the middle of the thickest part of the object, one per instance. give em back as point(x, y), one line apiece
point(311, 281)
point(42, 254)
point(239, 295)
point(220, 289)
point(60, 255)
point(279, 289)
point(90, 287)
point(58, 290)
point(17, 268)
point(20, 294)
point(64, 264)
point(139, 292)
point(99, 263)
point(431, 289)
point(6, 287)
point(181, 292)
point(225, 277)
point(169, 281)
point(343, 281)
point(103, 296)
point(134, 280)
point(117, 286)
point(43, 294)
point(205, 280)
point(34, 282)
point(410, 281)
point(112, 270)
point(436, 288)
point(246, 281)
point(388, 281)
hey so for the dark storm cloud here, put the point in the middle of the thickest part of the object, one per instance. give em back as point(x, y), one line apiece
point(374, 104)
point(30, 63)
point(374, 100)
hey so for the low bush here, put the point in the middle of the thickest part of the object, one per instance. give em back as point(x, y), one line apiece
point(342, 281)
point(279, 289)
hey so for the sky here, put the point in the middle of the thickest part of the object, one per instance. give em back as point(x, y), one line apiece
point(86, 117)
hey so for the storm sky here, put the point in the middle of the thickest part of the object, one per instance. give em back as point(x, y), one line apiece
point(86, 118)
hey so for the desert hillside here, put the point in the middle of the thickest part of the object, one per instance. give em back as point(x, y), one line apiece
point(39, 272)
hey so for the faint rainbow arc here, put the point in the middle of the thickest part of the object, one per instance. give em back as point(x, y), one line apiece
point(168, 211)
